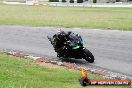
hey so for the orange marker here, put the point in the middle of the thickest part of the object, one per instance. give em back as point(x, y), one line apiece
point(84, 73)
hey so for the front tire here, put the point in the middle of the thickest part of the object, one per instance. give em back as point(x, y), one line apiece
point(88, 56)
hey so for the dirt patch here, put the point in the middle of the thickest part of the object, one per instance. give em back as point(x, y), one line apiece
point(48, 65)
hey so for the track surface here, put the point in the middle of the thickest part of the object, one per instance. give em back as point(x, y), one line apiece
point(112, 48)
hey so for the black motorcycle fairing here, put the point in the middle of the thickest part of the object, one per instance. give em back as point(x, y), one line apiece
point(70, 53)
point(62, 39)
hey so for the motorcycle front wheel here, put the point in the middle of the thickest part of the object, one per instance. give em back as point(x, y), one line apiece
point(88, 56)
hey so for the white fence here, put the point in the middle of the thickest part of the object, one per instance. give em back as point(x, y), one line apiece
point(92, 4)
point(129, 5)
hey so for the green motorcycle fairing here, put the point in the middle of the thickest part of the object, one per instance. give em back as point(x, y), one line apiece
point(76, 47)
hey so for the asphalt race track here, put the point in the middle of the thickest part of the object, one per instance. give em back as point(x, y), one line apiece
point(112, 48)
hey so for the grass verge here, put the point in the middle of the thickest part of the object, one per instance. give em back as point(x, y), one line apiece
point(25, 73)
point(105, 18)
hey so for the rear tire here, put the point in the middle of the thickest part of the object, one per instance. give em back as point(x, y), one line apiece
point(88, 56)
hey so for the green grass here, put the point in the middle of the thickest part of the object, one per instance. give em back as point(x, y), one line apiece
point(23, 73)
point(104, 18)
point(1, 2)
